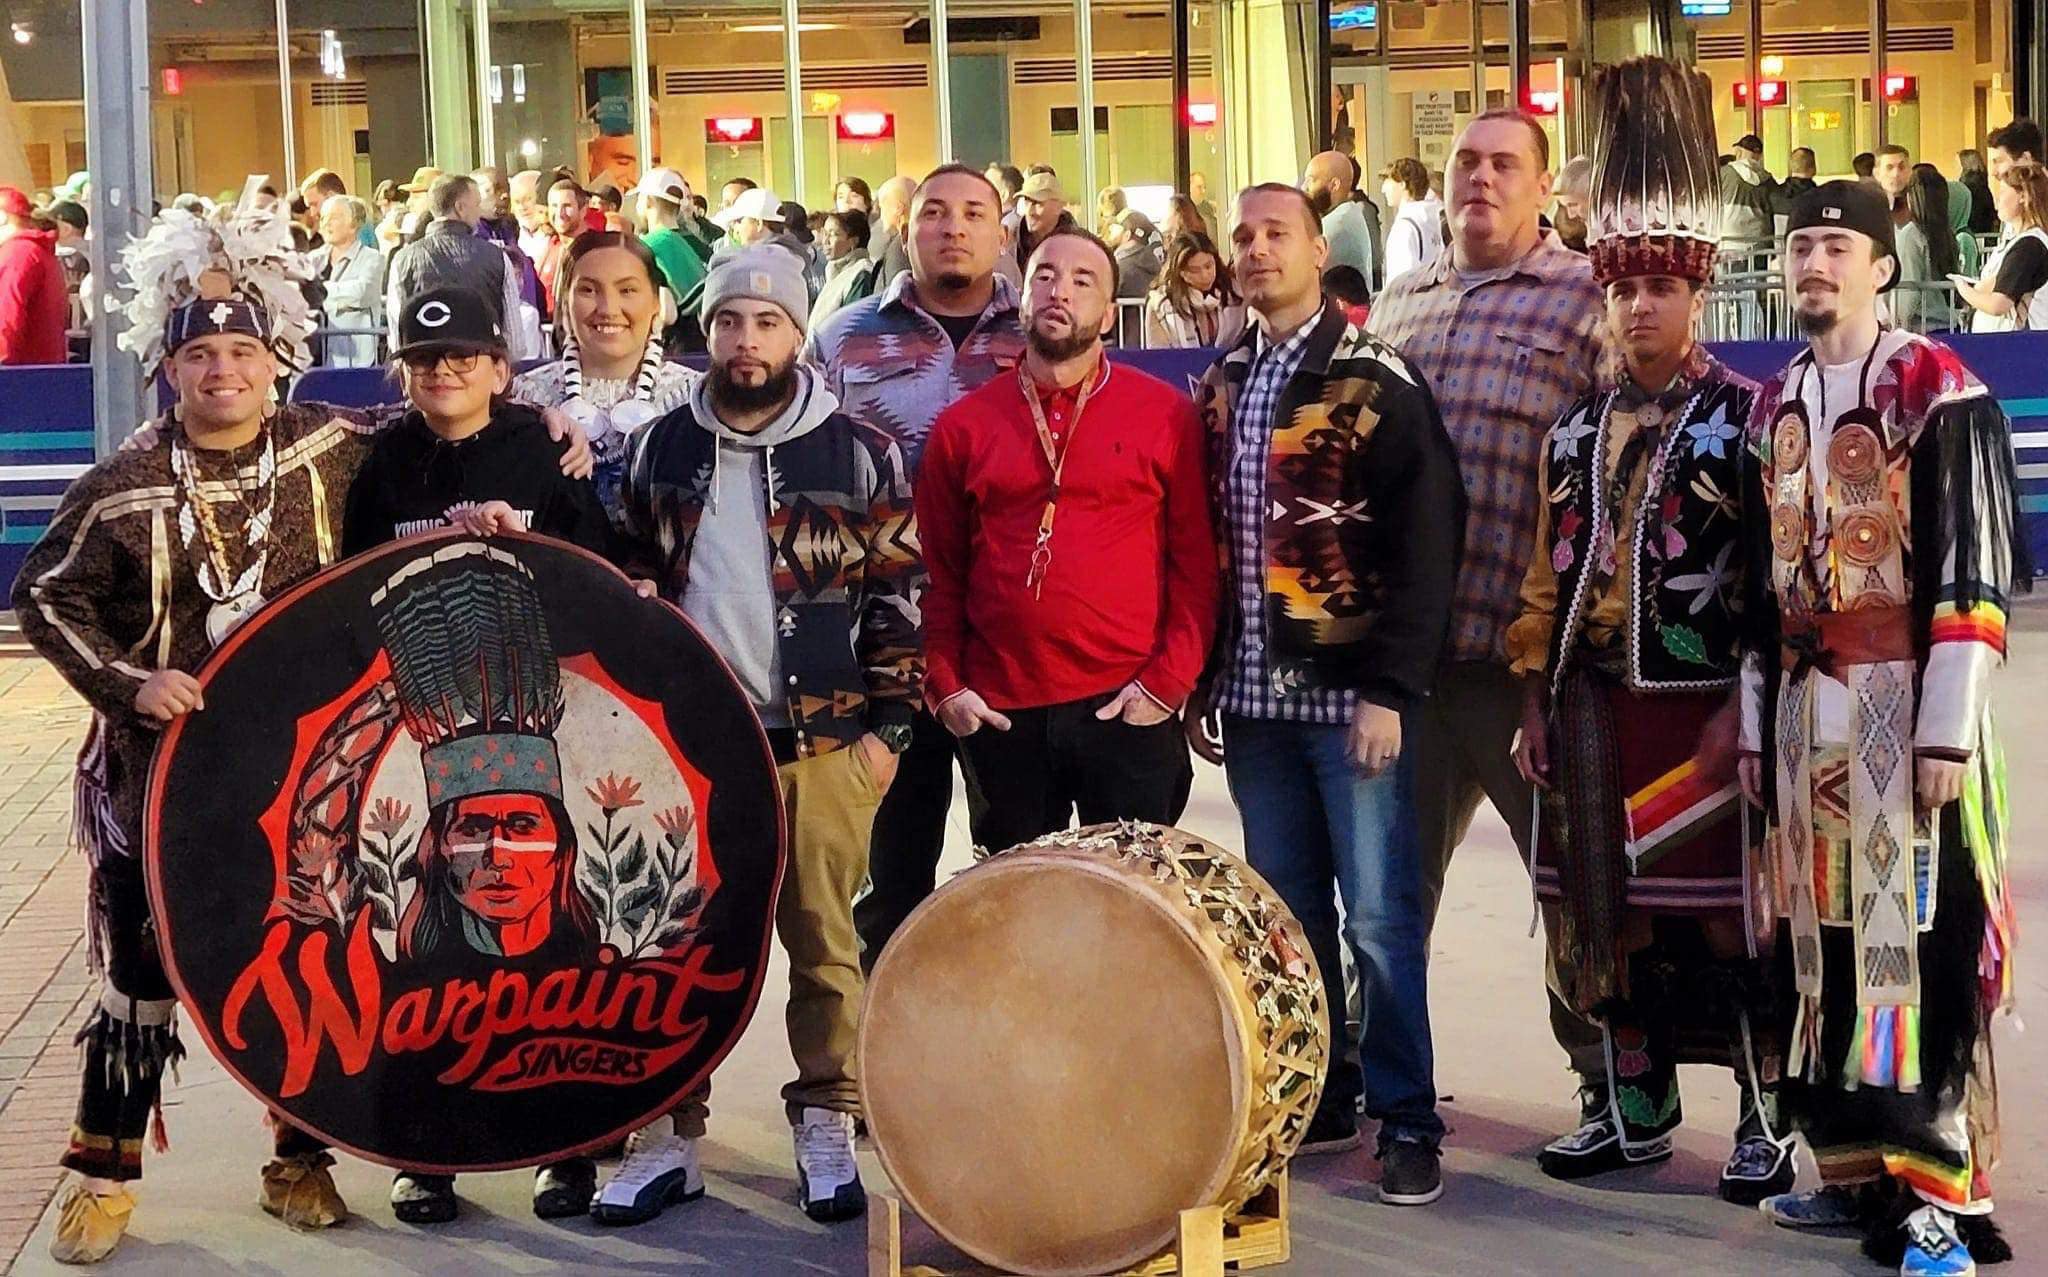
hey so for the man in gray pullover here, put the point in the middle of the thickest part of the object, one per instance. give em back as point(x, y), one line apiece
point(783, 528)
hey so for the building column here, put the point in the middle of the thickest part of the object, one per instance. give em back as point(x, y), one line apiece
point(451, 97)
point(1269, 50)
point(117, 145)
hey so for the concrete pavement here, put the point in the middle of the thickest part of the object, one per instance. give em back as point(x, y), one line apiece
point(1505, 1087)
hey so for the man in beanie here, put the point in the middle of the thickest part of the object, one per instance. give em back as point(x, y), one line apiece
point(1881, 507)
point(35, 306)
point(821, 629)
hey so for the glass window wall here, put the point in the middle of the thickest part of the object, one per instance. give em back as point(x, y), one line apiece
point(373, 89)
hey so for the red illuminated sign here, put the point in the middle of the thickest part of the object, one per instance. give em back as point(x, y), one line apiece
point(174, 82)
point(1901, 88)
point(866, 126)
point(1202, 115)
point(731, 130)
point(1769, 92)
point(1545, 101)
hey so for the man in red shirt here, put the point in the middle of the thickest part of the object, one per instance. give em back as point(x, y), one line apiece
point(34, 307)
point(1065, 525)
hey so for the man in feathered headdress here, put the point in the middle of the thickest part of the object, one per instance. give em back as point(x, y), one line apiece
point(154, 555)
point(1882, 505)
point(1629, 647)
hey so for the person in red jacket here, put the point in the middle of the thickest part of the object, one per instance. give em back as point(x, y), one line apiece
point(34, 308)
point(1072, 599)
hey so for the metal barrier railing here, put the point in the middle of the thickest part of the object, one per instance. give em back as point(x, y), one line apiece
point(1749, 306)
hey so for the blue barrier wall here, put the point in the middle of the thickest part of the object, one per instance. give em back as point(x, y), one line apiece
point(46, 421)
point(45, 442)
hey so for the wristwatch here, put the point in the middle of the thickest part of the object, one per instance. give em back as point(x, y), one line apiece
point(895, 735)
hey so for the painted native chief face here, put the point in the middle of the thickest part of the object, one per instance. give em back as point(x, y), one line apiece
point(498, 877)
point(503, 858)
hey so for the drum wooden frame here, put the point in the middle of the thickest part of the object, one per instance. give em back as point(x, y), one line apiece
point(1047, 1113)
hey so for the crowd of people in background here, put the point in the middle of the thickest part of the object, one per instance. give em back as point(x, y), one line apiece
point(1973, 247)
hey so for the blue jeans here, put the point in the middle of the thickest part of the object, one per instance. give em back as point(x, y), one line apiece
point(1316, 829)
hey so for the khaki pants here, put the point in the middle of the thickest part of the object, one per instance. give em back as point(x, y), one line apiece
point(1464, 743)
point(830, 803)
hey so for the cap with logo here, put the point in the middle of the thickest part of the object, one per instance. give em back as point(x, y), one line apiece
point(455, 319)
point(422, 178)
point(1848, 206)
point(766, 272)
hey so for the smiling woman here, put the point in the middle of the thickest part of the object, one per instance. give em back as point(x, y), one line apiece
point(612, 378)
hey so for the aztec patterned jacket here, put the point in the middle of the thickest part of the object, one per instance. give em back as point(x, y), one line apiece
point(1365, 515)
point(847, 570)
point(1673, 574)
point(894, 368)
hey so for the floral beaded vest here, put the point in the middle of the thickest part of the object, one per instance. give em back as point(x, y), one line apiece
point(1685, 545)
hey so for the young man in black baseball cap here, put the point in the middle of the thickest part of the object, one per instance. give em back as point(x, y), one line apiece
point(465, 455)
point(1880, 507)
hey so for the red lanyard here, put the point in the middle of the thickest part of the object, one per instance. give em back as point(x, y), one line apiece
point(1056, 461)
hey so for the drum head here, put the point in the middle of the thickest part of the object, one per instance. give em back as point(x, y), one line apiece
point(470, 861)
point(1053, 1066)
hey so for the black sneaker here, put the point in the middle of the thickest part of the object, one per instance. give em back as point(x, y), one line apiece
point(1411, 1174)
point(1331, 1130)
point(423, 1199)
point(563, 1189)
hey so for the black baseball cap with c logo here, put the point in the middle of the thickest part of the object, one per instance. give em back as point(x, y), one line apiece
point(450, 318)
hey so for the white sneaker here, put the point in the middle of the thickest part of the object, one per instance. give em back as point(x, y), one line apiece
point(660, 1170)
point(827, 1179)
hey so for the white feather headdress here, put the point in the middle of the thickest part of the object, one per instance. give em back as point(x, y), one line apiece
point(243, 252)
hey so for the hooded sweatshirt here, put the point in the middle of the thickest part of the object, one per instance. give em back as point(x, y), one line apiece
point(731, 587)
point(415, 481)
point(1416, 236)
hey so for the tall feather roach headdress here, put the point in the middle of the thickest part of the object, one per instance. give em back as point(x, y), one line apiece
point(1656, 206)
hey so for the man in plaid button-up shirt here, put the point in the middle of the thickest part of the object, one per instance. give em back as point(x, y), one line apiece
point(1507, 326)
point(1338, 499)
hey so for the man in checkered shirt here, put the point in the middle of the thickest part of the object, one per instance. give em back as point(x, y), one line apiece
point(1506, 325)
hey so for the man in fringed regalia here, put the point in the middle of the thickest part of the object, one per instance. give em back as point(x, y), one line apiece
point(154, 555)
point(1883, 547)
point(1629, 645)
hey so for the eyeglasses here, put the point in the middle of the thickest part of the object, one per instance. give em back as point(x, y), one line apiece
point(460, 362)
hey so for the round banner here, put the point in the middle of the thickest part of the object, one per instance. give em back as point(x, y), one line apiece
point(470, 860)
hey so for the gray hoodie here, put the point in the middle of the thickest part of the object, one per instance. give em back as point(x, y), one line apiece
point(731, 590)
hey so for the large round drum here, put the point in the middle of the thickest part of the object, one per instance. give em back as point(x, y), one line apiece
point(1074, 1041)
